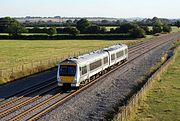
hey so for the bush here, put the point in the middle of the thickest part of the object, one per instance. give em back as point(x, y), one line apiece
point(51, 31)
point(167, 28)
point(146, 29)
point(73, 31)
point(93, 30)
point(126, 28)
point(157, 29)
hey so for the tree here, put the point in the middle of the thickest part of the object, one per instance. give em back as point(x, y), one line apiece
point(3, 25)
point(75, 21)
point(82, 25)
point(137, 32)
point(118, 22)
point(167, 28)
point(126, 27)
point(12, 26)
point(157, 26)
point(104, 21)
point(177, 23)
point(112, 30)
point(93, 30)
point(103, 30)
point(155, 19)
point(51, 31)
point(36, 30)
point(73, 31)
point(158, 23)
point(69, 22)
point(156, 29)
point(45, 30)
point(146, 29)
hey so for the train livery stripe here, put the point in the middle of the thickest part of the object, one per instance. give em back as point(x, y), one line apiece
point(67, 79)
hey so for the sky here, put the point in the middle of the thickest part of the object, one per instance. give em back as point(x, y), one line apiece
point(91, 8)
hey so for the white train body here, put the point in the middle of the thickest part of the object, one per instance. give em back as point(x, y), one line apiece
point(76, 71)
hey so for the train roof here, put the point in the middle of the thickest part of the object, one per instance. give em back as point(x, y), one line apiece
point(115, 47)
point(95, 55)
point(88, 57)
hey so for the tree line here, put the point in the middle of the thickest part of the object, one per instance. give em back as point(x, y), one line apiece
point(105, 22)
point(83, 26)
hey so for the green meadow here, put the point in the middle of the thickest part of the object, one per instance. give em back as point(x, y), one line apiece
point(18, 52)
point(162, 102)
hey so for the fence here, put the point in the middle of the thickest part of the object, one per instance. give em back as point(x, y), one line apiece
point(19, 71)
point(9, 74)
point(134, 101)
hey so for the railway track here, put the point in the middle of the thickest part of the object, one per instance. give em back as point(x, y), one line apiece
point(12, 107)
point(25, 92)
point(36, 116)
point(32, 89)
point(134, 51)
point(28, 91)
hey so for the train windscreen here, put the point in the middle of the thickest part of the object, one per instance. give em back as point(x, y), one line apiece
point(66, 70)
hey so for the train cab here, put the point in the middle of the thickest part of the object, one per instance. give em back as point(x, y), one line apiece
point(67, 73)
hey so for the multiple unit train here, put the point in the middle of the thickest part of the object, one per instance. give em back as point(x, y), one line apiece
point(76, 71)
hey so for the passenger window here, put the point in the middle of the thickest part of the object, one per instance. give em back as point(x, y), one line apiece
point(126, 51)
point(95, 65)
point(105, 60)
point(119, 54)
point(113, 57)
point(84, 70)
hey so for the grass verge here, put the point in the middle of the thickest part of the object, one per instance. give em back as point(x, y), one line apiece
point(162, 102)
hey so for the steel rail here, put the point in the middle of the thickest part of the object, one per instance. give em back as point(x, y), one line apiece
point(7, 111)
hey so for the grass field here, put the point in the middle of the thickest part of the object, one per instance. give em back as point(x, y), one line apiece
point(17, 52)
point(108, 28)
point(175, 29)
point(162, 102)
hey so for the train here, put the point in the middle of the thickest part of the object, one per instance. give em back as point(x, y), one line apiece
point(77, 71)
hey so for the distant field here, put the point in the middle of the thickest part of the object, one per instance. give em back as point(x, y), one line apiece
point(17, 52)
point(162, 103)
point(175, 29)
point(110, 27)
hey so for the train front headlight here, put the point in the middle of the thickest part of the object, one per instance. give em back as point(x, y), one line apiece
point(58, 79)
